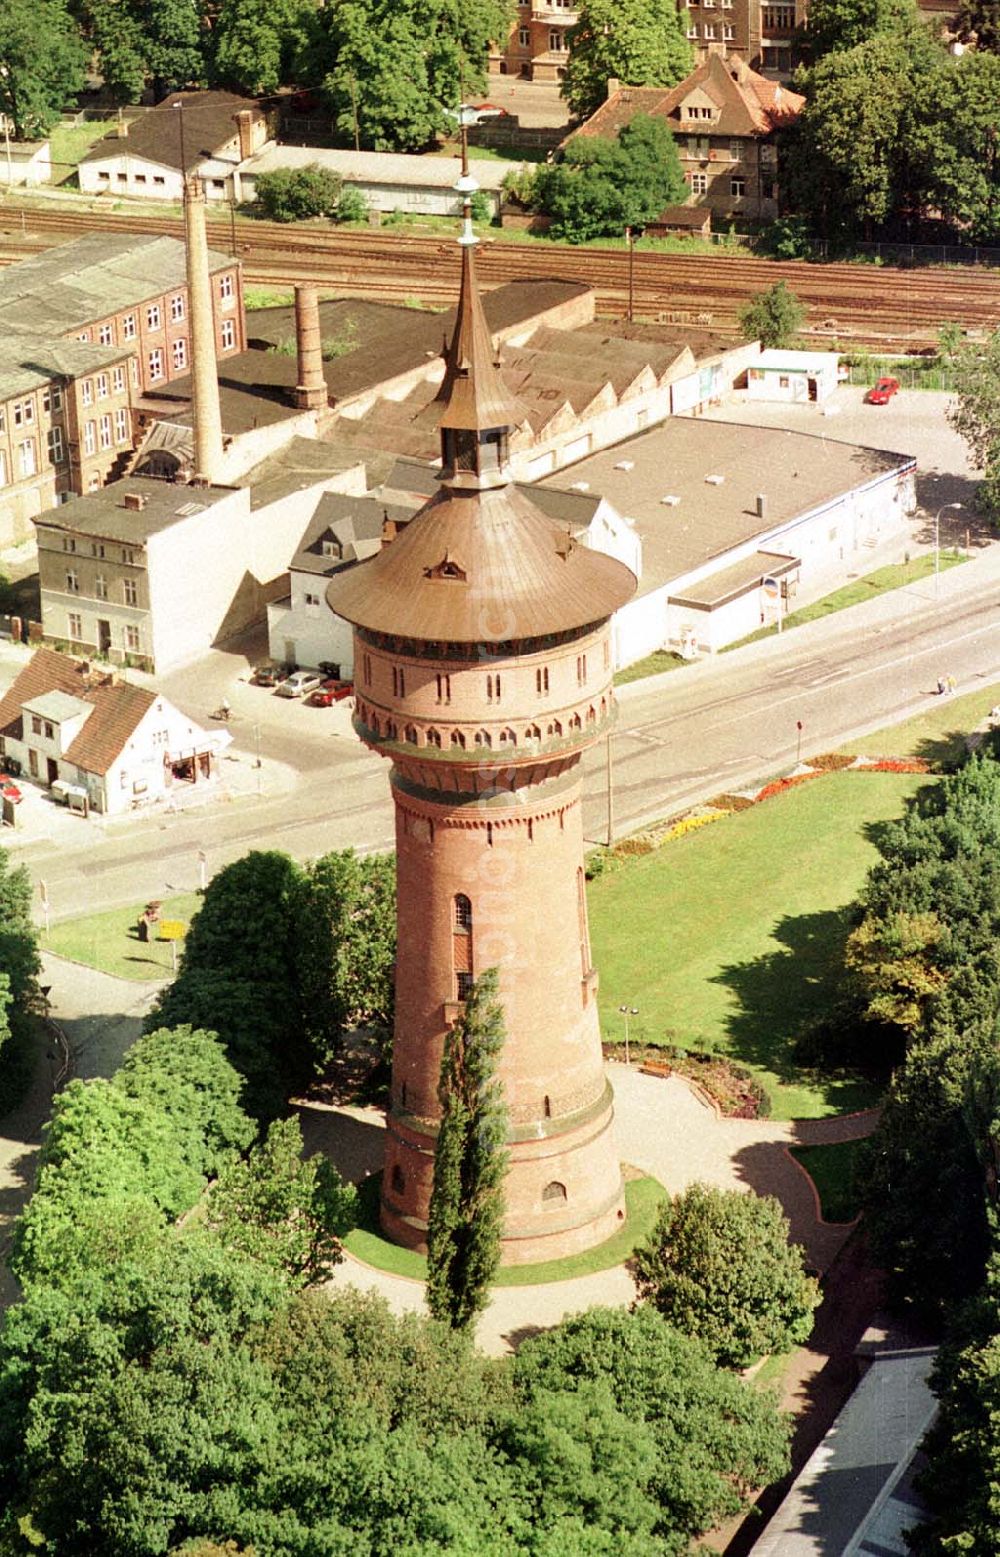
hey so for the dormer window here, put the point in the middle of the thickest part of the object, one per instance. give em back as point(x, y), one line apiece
point(331, 548)
point(447, 568)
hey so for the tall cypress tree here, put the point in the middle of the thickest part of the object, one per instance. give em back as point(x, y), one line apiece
point(470, 1163)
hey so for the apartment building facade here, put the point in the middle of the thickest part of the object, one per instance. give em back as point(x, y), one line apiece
point(725, 119)
point(65, 425)
point(537, 46)
point(759, 32)
point(127, 291)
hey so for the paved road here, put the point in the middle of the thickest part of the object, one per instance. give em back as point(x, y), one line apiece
point(681, 738)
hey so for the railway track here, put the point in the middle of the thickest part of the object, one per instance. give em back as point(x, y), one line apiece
point(884, 306)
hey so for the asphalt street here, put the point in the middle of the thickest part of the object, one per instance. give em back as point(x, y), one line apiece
point(681, 738)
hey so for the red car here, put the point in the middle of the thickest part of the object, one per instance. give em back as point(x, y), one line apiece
point(882, 392)
point(9, 790)
point(331, 692)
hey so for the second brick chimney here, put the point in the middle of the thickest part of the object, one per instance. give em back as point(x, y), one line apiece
point(244, 124)
point(310, 391)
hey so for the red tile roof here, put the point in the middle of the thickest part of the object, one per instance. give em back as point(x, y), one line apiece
point(748, 104)
point(118, 707)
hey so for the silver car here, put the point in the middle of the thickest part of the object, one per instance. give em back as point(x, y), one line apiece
point(299, 683)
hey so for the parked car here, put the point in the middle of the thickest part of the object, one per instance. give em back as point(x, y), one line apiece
point(330, 692)
point(299, 683)
point(882, 392)
point(10, 791)
point(268, 675)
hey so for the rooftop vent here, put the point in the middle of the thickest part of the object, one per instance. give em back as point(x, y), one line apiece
point(670, 499)
point(135, 502)
point(625, 465)
point(761, 505)
point(714, 481)
point(580, 486)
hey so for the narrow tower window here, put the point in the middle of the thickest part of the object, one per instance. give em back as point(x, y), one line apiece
point(554, 1191)
point(542, 678)
point(462, 945)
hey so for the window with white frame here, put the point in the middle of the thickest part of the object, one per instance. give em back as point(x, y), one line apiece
point(104, 432)
point(106, 335)
point(89, 438)
point(133, 369)
point(52, 398)
point(699, 183)
point(56, 446)
point(524, 36)
point(177, 306)
point(130, 591)
point(557, 41)
point(692, 32)
point(737, 188)
point(128, 327)
point(228, 334)
point(86, 391)
point(226, 288)
point(709, 30)
point(118, 379)
point(74, 625)
point(121, 425)
point(103, 386)
point(72, 582)
point(179, 353)
point(101, 587)
point(132, 639)
point(736, 151)
point(24, 413)
point(697, 146)
point(4, 473)
point(728, 31)
point(27, 462)
point(154, 318)
point(154, 363)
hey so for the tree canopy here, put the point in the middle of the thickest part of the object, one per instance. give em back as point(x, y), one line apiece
point(637, 42)
point(470, 1162)
point(42, 64)
point(603, 185)
point(773, 317)
point(975, 415)
point(739, 1308)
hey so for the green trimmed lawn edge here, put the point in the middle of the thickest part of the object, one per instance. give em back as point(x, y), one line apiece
point(643, 1198)
point(107, 941)
point(834, 1170)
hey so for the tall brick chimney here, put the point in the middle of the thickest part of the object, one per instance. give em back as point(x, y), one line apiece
point(310, 391)
point(204, 369)
point(244, 124)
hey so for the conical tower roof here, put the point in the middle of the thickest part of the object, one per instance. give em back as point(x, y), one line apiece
point(479, 563)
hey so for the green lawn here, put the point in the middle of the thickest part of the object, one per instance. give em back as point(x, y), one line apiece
point(642, 1199)
point(109, 942)
point(652, 665)
point(69, 142)
point(729, 939)
point(896, 576)
point(938, 734)
point(834, 1171)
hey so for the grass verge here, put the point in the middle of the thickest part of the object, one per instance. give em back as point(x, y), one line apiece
point(652, 665)
point(731, 939)
point(938, 735)
point(643, 1198)
point(834, 1171)
point(896, 576)
point(70, 142)
point(110, 943)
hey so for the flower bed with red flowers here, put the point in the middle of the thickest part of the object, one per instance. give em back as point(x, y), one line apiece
point(894, 765)
point(778, 786)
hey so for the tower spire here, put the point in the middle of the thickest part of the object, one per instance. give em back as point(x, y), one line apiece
point(477, 413)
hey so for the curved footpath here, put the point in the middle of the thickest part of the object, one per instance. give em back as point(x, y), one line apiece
point(667, 1129)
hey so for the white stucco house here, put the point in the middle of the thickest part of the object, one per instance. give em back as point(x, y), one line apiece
point(792, 375)
point(388, 181)
point(67, 722)
point(24, 162)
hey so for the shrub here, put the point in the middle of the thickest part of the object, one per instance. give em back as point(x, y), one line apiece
point(351, 206)
point(294, 194)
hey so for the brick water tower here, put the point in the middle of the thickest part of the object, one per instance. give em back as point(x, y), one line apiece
point(483, 671)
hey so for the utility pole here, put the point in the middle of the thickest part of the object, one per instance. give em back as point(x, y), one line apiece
point(630, 240)
point(611, 795)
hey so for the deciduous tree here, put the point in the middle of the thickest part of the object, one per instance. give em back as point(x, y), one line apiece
point(42, 64)
point(604, 185)
point(975, 415)
point(738, 1308)
point(467, 1204)
point(638, 42)
point(256, 45)
point(347, 948)
point(184, 1075)
point(773, 317)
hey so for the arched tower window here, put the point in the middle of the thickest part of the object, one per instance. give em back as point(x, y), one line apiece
point(397, 1179)
point(461, 943)
point(554, 1191)
point(483, 738)
point(458, 739)
point(410, 734)
point(434, 738)
point(508, 738)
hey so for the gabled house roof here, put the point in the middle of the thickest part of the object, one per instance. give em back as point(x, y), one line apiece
point(747, 104)
point(118, 708)
point(209, 126)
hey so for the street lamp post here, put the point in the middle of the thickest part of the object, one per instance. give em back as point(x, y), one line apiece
point(937, 541)
point(630, 240)
point(626, 1012)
